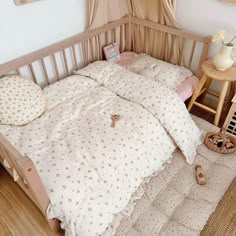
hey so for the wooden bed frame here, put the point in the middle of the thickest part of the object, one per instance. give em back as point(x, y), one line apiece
point(67, 52)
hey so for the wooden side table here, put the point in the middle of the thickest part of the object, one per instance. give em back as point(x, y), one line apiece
point(210, 73)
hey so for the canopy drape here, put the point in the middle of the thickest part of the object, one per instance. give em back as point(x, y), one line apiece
point(100, 13)
point(103, 11)
point(160, 45)
point(157, 44)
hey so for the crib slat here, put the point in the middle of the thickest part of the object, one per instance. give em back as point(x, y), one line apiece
point(91, 42)
point(144, 48)
point(74, 57)
point(128, 35)
point(45, 70)
point(163, 36)
point(132, 41)
point(113, 35)
point(121, 37)
point(18, 71)
point(65, 62)
point(99, 48)
point(181, 51)
point(171, 48)
point(83, 53)
point(55, 66)
point(167, 51)
point(191, 55)
point(95, 49)
point(106, 37)
point(32, 72)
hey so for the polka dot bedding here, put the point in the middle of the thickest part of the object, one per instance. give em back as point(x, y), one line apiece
point(161, 101)
point(90, 170)
point(21, 100)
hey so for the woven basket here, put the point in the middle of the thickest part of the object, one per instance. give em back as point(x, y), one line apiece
point(214, 148)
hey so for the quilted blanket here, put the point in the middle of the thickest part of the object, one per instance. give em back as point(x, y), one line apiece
point(90, 169)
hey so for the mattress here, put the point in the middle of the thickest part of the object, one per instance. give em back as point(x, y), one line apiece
point(184, 90)
point(173, 203)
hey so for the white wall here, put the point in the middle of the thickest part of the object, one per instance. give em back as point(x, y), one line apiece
point(29, 27)
point(32, 26)
point(206, 17)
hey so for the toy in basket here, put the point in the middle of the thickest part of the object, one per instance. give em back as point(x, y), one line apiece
point(220, 142)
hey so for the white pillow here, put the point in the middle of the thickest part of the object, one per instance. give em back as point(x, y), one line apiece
point(172, 76)
point(162, 72)
point(21, 101)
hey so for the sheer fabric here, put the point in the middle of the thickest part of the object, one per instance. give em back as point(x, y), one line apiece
point(102, 12)
point(157, 44)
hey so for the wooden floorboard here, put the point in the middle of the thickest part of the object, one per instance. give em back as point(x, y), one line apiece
point(18, 214)
point(197, 111)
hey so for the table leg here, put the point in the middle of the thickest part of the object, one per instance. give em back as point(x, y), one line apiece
point(232, 90)
point(223, 93)
point(197, 91)
point(208, 83)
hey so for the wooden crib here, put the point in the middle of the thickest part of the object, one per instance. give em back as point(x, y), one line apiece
point(44, 63)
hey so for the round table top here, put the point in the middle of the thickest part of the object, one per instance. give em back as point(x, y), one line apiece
point(226, 75)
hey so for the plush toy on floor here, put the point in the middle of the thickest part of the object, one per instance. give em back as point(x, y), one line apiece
point(201, 179)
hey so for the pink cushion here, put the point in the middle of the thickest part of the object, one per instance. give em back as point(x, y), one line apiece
point(126, 58)
point(185, 90)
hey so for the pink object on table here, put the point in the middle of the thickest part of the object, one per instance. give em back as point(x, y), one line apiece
point(185, 90)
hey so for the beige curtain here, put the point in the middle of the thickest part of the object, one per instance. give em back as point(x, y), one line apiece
point(102, 12)
point(157, 44)
point(160, 45)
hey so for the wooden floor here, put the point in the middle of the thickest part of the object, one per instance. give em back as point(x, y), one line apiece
point(209, 116)
point(18, 215)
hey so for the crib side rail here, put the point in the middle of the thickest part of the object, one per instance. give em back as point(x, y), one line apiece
point(29, 179)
